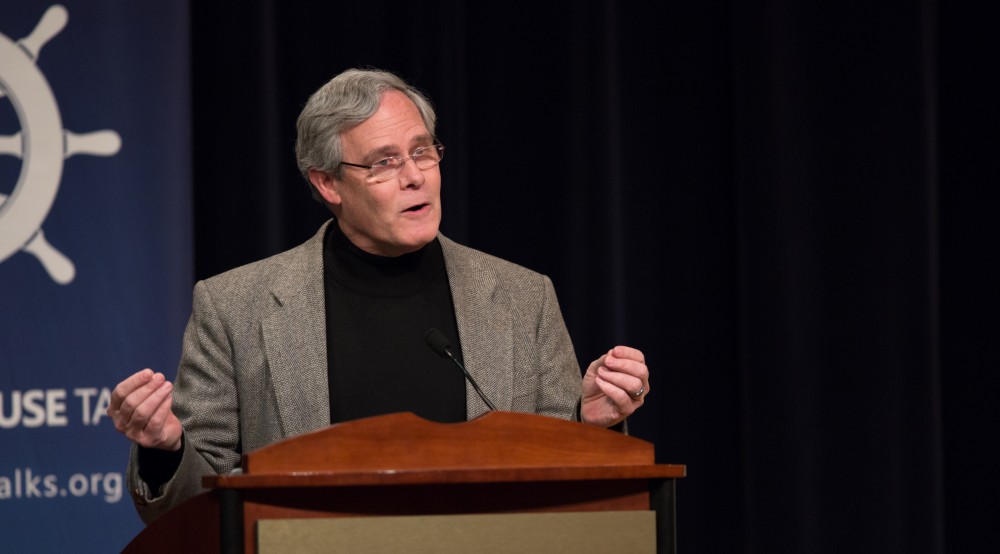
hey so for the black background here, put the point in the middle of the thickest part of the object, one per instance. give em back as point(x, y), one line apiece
point(788, 206)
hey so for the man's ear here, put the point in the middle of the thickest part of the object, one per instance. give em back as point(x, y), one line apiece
point(327, 186)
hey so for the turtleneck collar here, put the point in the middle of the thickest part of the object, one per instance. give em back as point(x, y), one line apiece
point(380, 276)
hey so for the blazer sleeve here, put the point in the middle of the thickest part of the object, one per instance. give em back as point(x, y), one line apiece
point(559, 384)
point(205, 401)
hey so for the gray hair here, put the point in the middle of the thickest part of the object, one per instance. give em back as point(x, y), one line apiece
point(345, 102)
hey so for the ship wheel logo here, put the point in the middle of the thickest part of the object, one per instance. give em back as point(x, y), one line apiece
point(42, 144)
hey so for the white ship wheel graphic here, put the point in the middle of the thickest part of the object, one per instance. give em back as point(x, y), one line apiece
point(42, 145)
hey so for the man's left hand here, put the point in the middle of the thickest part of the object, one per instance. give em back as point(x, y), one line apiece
point(615, 385)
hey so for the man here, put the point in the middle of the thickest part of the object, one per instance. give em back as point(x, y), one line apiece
point(333, 330)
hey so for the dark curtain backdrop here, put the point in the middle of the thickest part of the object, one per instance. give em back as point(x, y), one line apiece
point(788, 206)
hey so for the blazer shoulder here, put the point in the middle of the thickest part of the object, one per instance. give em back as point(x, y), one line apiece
point(474, 267)
point(472, 259)
point(286, 272)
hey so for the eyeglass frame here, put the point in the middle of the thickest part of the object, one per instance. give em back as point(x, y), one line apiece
point(437, 146)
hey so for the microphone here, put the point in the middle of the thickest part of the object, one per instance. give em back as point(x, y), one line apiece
point(439, 343)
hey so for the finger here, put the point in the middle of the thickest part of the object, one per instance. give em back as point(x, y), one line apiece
point(622, 401)
point(628, 383)
point(629, 353)
point(134, 399)
point(148, 407)
point(127, 387)
point(629, 367)
point(154, 429)
point(142, 404)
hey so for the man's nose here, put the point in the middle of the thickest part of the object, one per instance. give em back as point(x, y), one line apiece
point(410, 175)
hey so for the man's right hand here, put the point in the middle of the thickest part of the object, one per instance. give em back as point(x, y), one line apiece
point(140, 409)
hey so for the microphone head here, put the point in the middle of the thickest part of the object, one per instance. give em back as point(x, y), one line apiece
point(438, 342)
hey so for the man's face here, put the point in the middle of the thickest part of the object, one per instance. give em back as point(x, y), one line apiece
point(392, 217)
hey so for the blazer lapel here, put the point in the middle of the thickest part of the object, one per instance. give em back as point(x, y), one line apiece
point(294, 335)
point(485, 327)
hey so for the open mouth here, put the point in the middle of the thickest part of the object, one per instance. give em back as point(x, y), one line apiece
point(416, 208)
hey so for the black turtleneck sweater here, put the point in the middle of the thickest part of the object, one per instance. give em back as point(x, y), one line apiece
point(378, 310)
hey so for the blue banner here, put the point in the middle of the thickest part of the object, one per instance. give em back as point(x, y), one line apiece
point(95, 252)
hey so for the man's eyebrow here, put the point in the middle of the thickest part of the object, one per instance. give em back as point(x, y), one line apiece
point(381, 152)
point(422, 140)
point(386, 151)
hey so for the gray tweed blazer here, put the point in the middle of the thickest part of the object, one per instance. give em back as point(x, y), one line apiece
point(253, 369)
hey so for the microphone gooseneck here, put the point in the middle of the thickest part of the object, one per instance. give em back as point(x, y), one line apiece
point(439, 344)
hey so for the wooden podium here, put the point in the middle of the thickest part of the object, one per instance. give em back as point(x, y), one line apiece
point(445, 480)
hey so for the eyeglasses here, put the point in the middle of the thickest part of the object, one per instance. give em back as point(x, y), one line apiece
point(424, 157)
